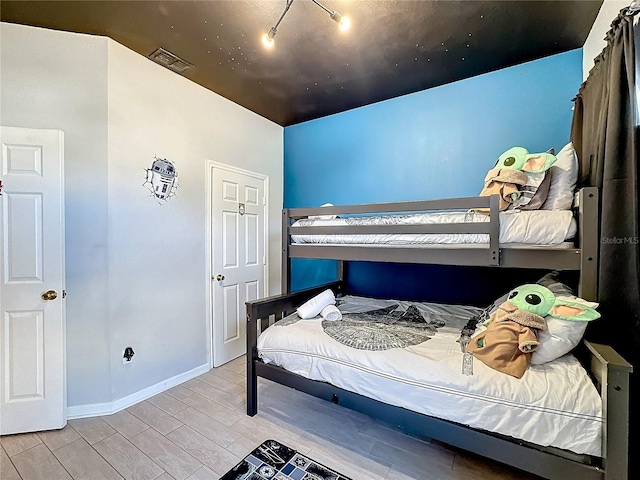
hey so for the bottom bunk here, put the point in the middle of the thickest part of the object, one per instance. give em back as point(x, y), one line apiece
point(598, 433)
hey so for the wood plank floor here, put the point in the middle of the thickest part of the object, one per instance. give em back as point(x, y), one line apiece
point(199, 430)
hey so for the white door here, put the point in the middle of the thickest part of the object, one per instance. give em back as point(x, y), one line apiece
point(32, 326)
point(238, 260)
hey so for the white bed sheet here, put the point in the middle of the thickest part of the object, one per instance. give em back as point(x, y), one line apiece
point(554, 404)
point(537, 227)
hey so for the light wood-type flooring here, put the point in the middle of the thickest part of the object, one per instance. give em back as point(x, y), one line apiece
point(199, 430)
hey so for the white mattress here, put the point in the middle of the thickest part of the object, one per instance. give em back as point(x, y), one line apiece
point(553, 404)
point(536, 227)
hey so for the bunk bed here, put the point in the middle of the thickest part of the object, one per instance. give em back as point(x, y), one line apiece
point(344, 241)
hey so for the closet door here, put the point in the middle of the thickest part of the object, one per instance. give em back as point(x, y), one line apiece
point(238, 232)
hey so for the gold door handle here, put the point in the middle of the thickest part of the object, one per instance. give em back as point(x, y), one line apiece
point(50, 295)
point(219, 277)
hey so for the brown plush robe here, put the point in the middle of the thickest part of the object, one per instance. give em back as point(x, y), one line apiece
point(509, 341)
point(505, 182)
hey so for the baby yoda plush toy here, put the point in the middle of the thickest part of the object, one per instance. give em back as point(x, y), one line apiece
point(512, 333)
point(509, 175)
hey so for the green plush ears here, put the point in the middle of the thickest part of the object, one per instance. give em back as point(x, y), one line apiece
point(574, 311)
point(518, 158)
point(538, 162)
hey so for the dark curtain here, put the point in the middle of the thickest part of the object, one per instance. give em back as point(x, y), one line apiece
point(604, 134)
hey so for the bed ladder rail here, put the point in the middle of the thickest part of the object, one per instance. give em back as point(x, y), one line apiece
point(587, 200)
point(259, 314)
point(611, 373)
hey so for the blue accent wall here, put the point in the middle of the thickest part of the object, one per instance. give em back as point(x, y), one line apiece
point(436, 143)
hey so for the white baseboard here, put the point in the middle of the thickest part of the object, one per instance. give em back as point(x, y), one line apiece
point(92, 410)
point(99, 409)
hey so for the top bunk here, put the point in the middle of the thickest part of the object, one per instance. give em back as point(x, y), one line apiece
point(449, 232)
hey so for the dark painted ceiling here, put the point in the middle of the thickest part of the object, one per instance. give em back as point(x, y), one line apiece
point(314, 69)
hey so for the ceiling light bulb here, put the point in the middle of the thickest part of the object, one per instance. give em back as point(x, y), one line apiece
point(267, 38)
point(344, 24)
point(267, 41)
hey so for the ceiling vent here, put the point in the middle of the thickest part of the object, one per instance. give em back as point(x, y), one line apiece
point(171, 61)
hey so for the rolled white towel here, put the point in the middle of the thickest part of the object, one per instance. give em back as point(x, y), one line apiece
point(323, 217)
point(331, 312)
point(314, 306)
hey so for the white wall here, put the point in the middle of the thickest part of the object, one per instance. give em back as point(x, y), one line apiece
point(136, 272)
point(158, 273)
point(595, 42)
point(59, 80)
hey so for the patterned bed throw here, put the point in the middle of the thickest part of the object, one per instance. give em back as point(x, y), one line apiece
point(398, 325)
point(382, 329)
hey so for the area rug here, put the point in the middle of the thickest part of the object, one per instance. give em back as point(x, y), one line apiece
point(275, 461)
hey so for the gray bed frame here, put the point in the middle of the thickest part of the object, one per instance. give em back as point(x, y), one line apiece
point(609, 370)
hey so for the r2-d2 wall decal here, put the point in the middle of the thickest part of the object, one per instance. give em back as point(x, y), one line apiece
point(162, 179)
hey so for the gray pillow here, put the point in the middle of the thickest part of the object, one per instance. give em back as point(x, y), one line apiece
point(559, 289)
point(564, 176)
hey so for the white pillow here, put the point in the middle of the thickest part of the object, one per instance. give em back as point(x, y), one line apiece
point(564, 176)
point(560, 337)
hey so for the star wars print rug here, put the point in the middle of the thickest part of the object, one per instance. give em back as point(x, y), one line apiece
point(274, 461)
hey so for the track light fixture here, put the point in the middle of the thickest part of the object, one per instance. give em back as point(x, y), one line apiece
point(343, 22)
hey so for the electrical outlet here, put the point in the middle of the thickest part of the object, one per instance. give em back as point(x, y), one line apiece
point(127, 355)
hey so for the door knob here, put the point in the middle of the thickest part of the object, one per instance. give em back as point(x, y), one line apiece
point(219, 277)
point(50, 295)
